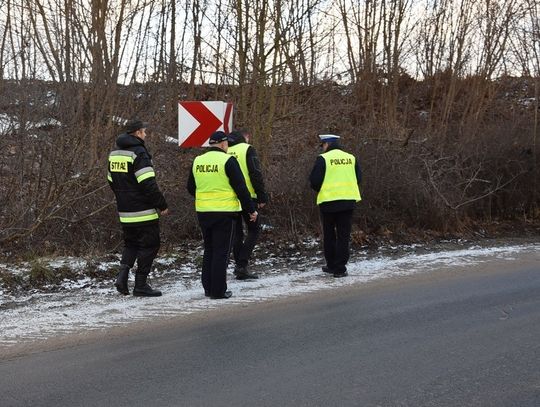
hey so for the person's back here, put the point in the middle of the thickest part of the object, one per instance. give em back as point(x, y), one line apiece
point(220, 191)
point(340, 181)
point(335, 176)
point(213, 190)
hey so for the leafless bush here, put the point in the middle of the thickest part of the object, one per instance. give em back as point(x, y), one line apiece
point(442, 111)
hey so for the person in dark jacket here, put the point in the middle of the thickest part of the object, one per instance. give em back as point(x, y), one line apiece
point(251, 169)
point(336, 177)
point(140, 203)
point(220, 192)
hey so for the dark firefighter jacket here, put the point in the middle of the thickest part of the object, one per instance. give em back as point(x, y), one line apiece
point(133, 180)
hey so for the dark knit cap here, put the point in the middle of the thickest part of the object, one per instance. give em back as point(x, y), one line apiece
point(133, 125)
point(217, 137)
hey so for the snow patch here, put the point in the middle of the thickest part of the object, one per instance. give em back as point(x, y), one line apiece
point(118, 120)
point(7, 124)
point(44, 124)
point(77, 308)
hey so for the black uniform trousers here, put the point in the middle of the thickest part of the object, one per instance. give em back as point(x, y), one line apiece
point(218, 231)
point(242, 248)
point(337, 236)
point(141, 243)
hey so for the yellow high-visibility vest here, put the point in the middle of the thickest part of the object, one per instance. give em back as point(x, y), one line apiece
point(213, 191)
point(340, 181)
point(240, 152)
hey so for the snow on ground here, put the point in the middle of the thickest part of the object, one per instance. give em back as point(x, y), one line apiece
point(47, 122)
point(9, 124)
point(83, 305)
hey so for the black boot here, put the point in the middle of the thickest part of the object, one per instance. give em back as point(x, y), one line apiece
point(242, 273)
point(327, 269)
point(225, 295)
point(142, 289)
point(121, 282)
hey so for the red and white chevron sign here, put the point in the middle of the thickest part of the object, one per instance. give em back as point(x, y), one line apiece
point(198, 120)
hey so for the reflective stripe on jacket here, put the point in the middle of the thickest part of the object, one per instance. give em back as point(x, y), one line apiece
point(240, 152)
point(141, 216)
point(132, 178)
point(340, 181)
point(214, 192)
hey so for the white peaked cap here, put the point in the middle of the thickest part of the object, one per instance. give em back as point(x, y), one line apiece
point(328, 137)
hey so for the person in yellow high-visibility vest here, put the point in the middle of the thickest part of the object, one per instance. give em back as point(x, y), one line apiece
point(251, 168)
point(220, 192)
point(336, 176)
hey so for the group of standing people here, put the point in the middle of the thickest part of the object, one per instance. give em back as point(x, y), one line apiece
point(228, 186)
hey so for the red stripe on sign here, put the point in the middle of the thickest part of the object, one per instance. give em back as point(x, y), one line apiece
point(208, 123)
point(226, 121)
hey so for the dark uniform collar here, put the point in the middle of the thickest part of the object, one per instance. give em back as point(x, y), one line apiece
point(215, 149)
point(237, 140)
point(126, 140)
point(333, 146)
point(138, 138)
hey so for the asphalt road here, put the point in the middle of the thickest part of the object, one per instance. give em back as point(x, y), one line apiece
point(451, 338)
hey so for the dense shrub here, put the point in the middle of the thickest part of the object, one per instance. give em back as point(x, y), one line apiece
point(423, 170)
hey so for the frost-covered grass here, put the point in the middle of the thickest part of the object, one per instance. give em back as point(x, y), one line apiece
point(87, 300)
point(51, 274)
